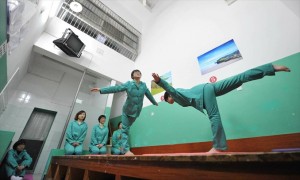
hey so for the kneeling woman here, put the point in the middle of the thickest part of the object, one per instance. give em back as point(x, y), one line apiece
point(75, 134)
point(99, 137)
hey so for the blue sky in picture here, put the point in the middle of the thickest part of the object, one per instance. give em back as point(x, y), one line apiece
point(167, 77)
point(209, 59)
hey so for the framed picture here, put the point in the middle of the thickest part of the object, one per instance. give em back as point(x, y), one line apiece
point(155, 89)
point(219, 57)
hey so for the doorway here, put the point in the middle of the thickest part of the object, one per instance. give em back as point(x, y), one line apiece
point(35, 133)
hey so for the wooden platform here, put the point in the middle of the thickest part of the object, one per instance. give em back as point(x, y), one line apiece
point(183, 166)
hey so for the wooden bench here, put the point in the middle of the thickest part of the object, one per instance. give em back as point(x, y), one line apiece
point(183, 163)
point(272, 165)
point(58, 152)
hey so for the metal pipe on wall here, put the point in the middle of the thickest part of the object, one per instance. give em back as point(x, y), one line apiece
point(71, 110)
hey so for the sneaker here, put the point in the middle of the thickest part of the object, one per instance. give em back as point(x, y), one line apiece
point(15, 177)
point(214, 151)
point(128, 153)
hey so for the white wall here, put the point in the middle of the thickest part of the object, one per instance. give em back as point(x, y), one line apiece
point(96, 56)
point(34, 20)
point(52, 86)
point(43, 92)
point(293, 5)
point(117, 104)
point(264, 31)
point(16, 114)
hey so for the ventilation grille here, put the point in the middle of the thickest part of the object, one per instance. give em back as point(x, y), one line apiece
point(102, 24)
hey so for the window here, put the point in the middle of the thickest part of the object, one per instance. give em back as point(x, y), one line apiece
point(97, 20)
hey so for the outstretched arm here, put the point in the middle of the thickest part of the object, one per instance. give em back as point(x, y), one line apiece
point(111, 89)
point(150, 97)
point(278, 68)
point(95, 89)
point(172, 91)
point(163, 84)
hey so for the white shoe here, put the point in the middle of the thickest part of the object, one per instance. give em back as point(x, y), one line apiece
point(128, 153)
point(214, 151)
point(15, 177)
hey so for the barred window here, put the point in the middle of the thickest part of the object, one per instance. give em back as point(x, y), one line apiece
point(102, 24)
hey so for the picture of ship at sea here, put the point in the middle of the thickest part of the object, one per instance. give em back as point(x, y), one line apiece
point(219, 57)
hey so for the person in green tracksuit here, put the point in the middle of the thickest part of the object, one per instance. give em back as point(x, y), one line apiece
point(203, 96)
point(99, 137)
point(75, 134)
point(136, 90)
point(117, 144)
point(17, 160)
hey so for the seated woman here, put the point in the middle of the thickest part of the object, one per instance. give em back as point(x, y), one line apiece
point(99, 137)
point(75, 134)
point(117, 144)
point(17, 160)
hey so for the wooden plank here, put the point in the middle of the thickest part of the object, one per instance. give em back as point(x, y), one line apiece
point(248, 166)
point(86, 175)
point(76, 173)
point(56, 175)
point(255, 144)
point(189, 172)
point(51, 172)
point(61, 172)
point(68, 174)
point(118, 177)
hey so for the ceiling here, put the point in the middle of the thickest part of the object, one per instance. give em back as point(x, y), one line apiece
point(150, 4)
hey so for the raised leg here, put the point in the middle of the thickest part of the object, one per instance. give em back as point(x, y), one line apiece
point(229, 84)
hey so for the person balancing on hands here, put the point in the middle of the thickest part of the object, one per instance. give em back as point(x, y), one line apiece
point(203, 96)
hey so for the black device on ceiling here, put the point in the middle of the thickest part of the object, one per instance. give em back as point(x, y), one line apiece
point(70, 44)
